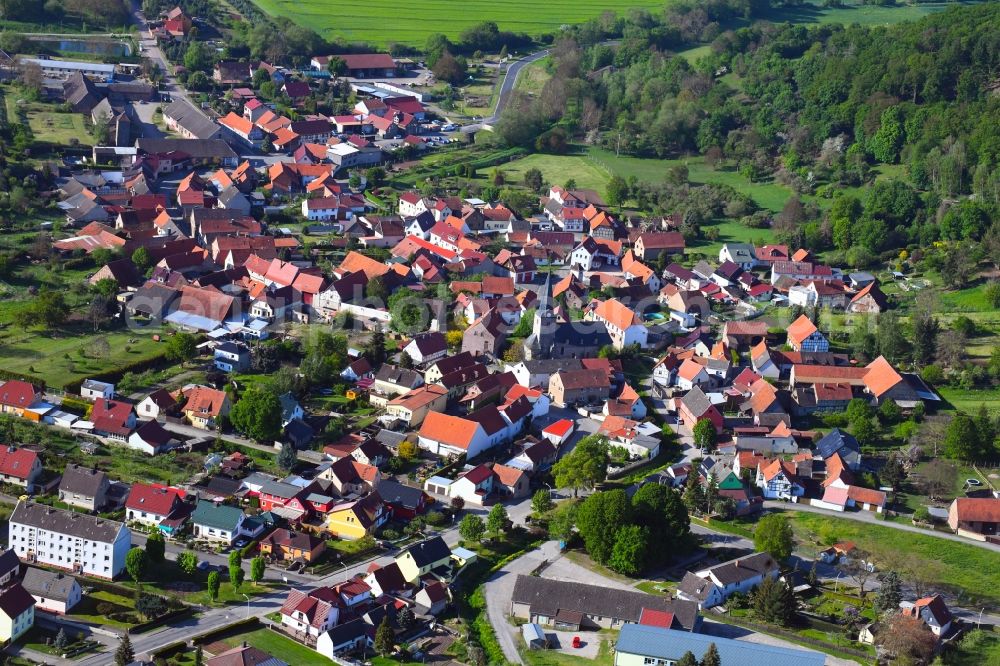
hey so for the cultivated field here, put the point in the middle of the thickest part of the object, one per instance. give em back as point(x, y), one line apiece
point(383, 21)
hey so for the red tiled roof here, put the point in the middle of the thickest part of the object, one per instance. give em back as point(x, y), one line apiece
point(17, 462)
point(17, 393)
point(152, 499)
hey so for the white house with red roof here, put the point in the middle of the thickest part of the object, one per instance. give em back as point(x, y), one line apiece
point(19, 467)
point(113, 419)
point(559, 432)
point(474, 486)
point(150, 504)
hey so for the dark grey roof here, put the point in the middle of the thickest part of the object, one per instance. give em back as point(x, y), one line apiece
point(695, 587)
point(390, 438)
point(429, 551)
point(696, 401)
point(581, 334)
point(81, 480)
point(8, 562)
point(744, 568)
point(393, 492)
point(48, 584)
point(398, 376)
point(548, 597)
point(348, 632)
point(834, 441)
point(191, 119)
point(196, 148)
point(551, 366)
point(69, 523)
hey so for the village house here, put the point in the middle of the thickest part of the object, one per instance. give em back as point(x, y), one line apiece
point(220, 523)
point(713, 586)
point(411, 408)
point(624, 326)
point(150, 504)
point(204, 406)
point(358, 518)
point(53, 592)
point(423, 558)
point(286, 545)
point(579, 387)
point(804, 336)
point(84, 487)
point(975, 517)
point(20, 467)
point(572, 606)
point(17, 613)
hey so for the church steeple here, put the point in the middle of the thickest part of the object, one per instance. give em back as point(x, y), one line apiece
point(541, 329)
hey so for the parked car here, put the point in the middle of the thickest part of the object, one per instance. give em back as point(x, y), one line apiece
point(242, 542)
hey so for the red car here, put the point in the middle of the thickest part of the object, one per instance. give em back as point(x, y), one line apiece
point(577, 643)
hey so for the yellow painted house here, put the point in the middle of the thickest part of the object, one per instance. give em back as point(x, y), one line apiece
point(357, 519)
point(424, 557)
point(17, 613)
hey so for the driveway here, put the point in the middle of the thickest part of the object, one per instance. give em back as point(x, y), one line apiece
point(499, 590)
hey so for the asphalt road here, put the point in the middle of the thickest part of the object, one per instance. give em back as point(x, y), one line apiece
point(506, 88)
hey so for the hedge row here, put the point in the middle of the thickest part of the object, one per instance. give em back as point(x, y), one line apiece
point(162, 620)
point(156, 362)
point(221, 632)
point(10, 375)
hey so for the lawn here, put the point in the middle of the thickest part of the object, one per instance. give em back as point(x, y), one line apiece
point(62, 357)
point(379, 22)
point(557, 169)
point(282, 647)
point(86, 610)
point(973, 573)
point(58, 128)
point(592, 168)
point(969, 400)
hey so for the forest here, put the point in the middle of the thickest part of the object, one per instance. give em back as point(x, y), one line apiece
point(817, 108)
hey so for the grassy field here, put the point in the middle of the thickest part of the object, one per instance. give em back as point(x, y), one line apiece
point(973, 573)
point(854, 13)
point(977, 648)
point(63, 357)
point(381, 22)
point(558, 169)
point(58, 128)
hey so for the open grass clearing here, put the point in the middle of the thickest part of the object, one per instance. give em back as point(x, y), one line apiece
point(58, 128)
point(970, 572)
point(58, 358)
point(557, 169)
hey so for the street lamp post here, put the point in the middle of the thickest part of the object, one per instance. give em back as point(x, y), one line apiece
point(245, 596)
point(979, 624)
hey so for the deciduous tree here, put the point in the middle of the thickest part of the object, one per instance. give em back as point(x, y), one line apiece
point(156, 547)
point(585, 466)
point(136, 562)
point(773, 535)
point(471, 528)
point(629, 553)
point(213, 584)
point(257, 414)
point(599, 518)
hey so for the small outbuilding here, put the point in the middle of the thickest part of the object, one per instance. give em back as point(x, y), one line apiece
point(534, 637)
